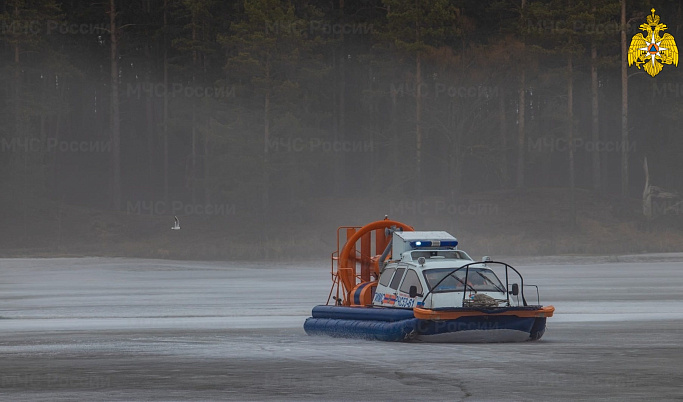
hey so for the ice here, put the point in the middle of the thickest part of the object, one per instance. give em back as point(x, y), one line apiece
point(128, 329)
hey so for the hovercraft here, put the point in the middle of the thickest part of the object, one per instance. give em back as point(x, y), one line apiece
point(406, 285)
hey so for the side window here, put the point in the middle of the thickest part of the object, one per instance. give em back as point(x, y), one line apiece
point(411, 280)
point(386, 276)
point(397, 278)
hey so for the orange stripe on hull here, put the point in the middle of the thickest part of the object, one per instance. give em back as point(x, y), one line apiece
point(427, 314)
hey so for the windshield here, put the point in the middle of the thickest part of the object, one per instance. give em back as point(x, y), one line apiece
point(479, 279)
point(435, 254)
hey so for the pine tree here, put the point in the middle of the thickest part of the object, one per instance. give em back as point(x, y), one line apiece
point(415, 28)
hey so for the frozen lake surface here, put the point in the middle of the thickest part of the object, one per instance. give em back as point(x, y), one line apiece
point(126, 329)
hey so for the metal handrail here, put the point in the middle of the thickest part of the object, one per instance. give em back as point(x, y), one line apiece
point(467, 268)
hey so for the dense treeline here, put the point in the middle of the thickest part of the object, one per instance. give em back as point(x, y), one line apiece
point(261, 105)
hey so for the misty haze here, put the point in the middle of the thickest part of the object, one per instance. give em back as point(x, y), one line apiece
point(173, 174)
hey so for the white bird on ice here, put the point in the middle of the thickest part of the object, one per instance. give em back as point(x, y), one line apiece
point(176, 226)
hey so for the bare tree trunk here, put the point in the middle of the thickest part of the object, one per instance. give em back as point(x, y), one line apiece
point(17, 81)
point(336, 172)
point(457, 124)
point(150, 124)
point(207, 189)
point(624, 105)
point(265, 216)
point(570, 136)
point(193, 158)
point(15, 161)
point(459, 157)
point(595, 121)
point(19, 131)
point(115, 118)
point(17, 92)
point(266, 138)
point(165, 106)
point(647, 194)
point(418, 122)
point(521, 133)
point(54, 162)
point(341, 156)
point(151, 131)
point(451, 157)
point(395, 149)
point(503, 140)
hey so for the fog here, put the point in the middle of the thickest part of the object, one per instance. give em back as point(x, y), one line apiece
point(500, 122)
point(540, 133)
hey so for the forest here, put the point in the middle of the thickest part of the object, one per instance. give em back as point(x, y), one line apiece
point(272, 122)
